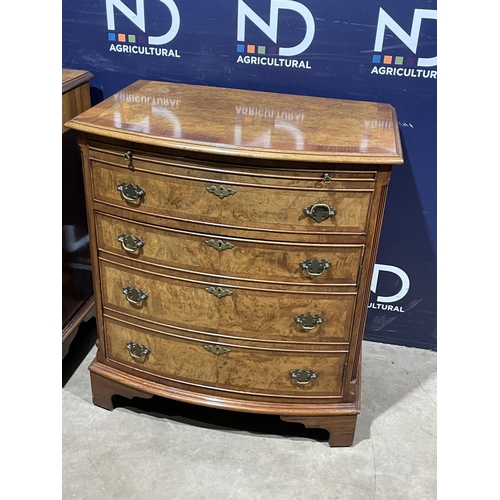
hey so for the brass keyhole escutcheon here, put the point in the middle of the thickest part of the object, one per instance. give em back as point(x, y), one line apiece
point(221, 191)
point(219, 245)
point(218, 291)
point(217, 349)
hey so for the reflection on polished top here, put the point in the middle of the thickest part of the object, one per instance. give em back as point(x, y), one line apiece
point(247, 123)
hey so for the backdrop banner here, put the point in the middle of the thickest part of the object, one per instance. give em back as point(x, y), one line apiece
point(380, 50)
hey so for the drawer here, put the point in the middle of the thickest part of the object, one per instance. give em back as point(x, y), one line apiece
point(226, 366)
point(219, 168)
point(231, 311)
point(242, 204)
point(231, 257)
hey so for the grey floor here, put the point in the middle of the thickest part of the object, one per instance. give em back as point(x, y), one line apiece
point(159, 449)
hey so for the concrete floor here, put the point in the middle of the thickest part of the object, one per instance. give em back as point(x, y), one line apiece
point(158, 449)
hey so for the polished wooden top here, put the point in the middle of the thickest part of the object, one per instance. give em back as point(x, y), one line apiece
point(247, 123)
point(72, 78)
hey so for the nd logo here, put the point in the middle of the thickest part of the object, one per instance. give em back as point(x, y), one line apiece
point(139, 19)
point(410, 40)
point(271, 29)
point(405, 282)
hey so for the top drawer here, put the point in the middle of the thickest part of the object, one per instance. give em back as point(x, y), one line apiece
point(276, 201)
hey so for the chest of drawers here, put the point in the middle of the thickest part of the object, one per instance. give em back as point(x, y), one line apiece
point(77, 292)
point(233, 238)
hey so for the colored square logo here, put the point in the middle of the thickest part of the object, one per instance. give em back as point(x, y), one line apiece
point(240, 47)
point(131, 38)
point(261, 49)
point(272, 50)
point(398, 60)
point(142, 39)
point(251, 49)
point(121, 37)
point(112, 37)
point(410, 61)
point(376, 58)
point(387, 59)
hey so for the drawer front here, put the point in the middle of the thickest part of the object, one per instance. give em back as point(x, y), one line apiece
point(270, 371)
point(226, 366)
point(176, 302)
point(237, 312)
point(182, 359)
point(236, 205)
point(138, 160)
point(232, 257)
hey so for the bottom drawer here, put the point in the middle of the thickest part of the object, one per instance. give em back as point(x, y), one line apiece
point(234, 368)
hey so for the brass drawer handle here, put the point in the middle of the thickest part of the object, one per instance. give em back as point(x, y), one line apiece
point(137, 351)
point(308, 321)
point(320, 212)
point(303, 377)
point(130, 192)
point(221, 191)
point(130, 243)
point(217, 349)
point(134, 296)
point(219, 245)
point(315, 267)
point(218, 291)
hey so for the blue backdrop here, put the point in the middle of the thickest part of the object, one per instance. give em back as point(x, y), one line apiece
point(368, 50)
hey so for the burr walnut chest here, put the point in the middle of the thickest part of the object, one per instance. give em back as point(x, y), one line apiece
point(233, 238)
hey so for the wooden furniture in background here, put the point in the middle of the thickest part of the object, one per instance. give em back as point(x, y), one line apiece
point(77, 291)
point(233, 237)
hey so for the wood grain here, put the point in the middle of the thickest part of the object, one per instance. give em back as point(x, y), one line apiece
point(262, 207)
point(269, 372)
point(341, 428)
point(104, 390)
point(247, 259)
point(289, 174)
point(279, 154)
point(247, 123)
point(72, 78)
point(75, 94)
point(173, 357)
point(247, 313)
point(242, 370)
